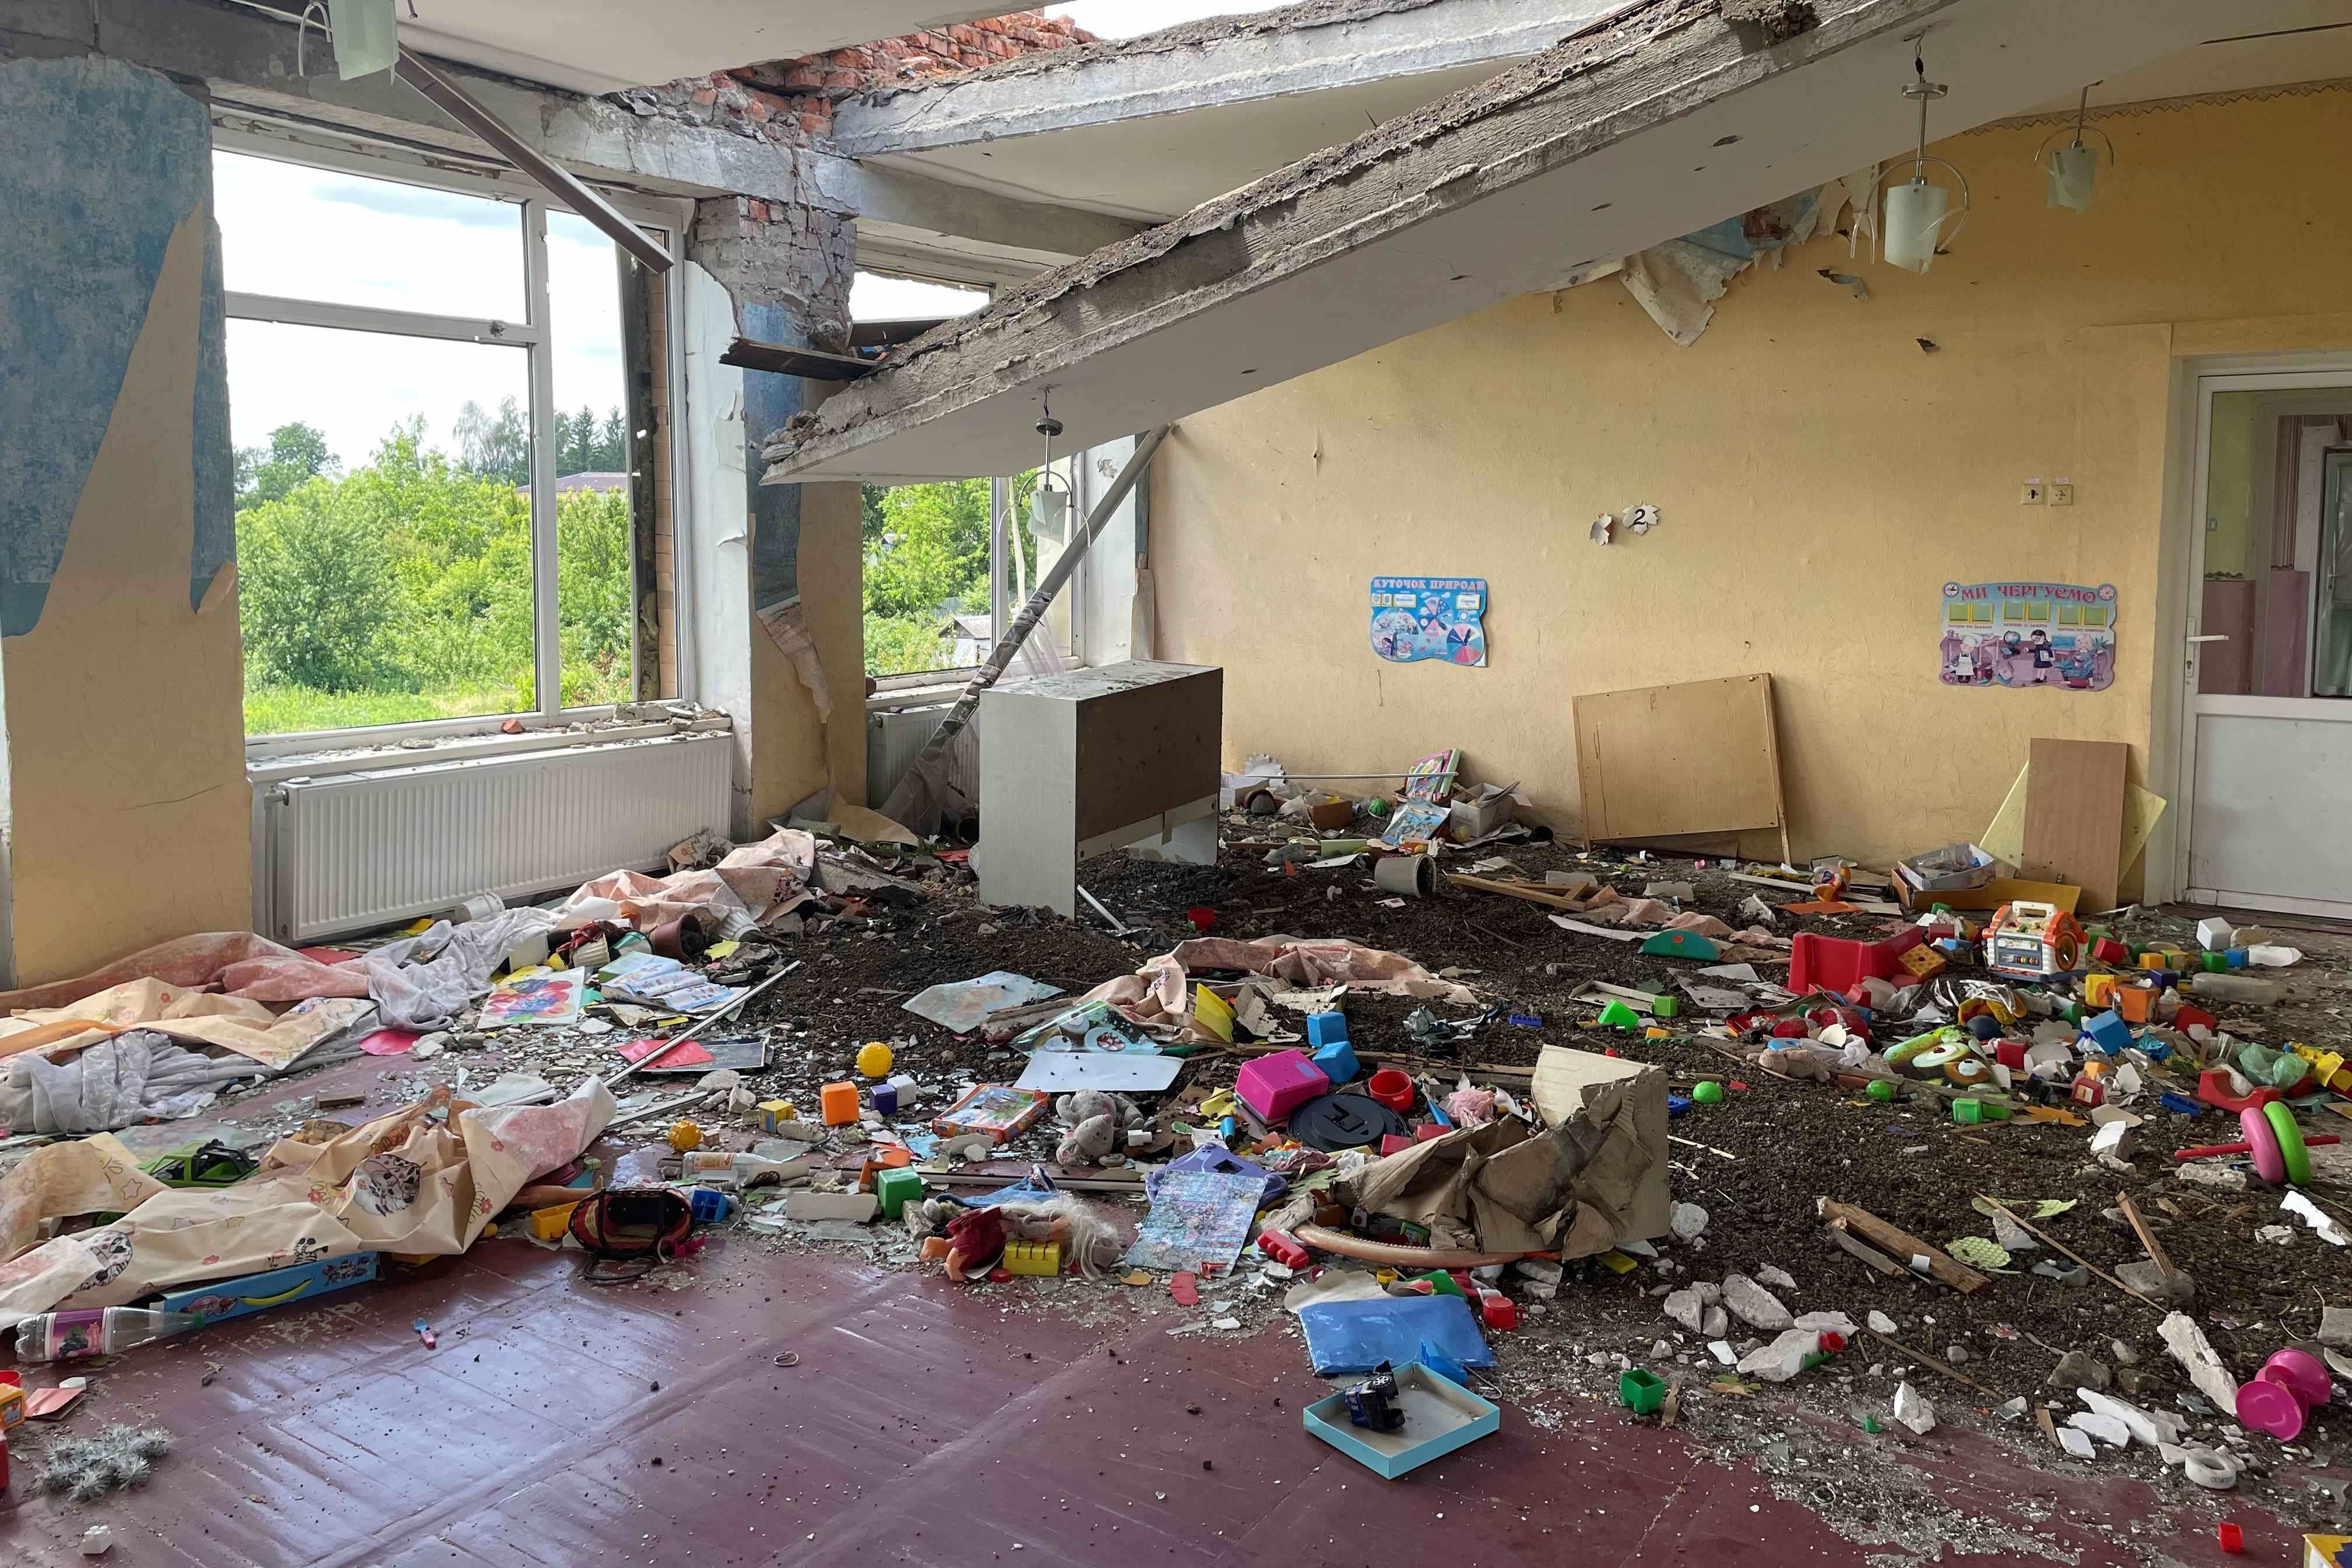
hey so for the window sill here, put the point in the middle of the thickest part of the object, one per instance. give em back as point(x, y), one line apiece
point(270, 759)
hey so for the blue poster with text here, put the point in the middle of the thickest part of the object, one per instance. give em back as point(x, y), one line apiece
point(1430, 617)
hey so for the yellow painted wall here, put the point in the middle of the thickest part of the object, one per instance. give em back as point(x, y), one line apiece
point(794, 752)
point(130, 814)
point(1820, 475)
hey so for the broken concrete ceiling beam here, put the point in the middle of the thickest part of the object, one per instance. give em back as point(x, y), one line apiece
point(1320, 47)
point(1651, 125)
point(248, 61)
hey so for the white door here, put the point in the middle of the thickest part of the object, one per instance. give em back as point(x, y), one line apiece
point(2267, 766)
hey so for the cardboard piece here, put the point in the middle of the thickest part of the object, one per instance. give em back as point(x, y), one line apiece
point(2075, 816)
point(226, 1298)
point(1665, 761)
point(1991, 896)
point(1579, 1188)
point(1571, 1083)
point(854, 1207)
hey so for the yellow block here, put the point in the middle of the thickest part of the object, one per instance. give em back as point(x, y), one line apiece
point(548, 1224)
point(1042, 1258)
point(1617, 1262)
point(2098, 991)
point(2151, 960)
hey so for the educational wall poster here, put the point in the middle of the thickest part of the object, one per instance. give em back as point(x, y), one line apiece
point(1415, 618)
point(2028, 634)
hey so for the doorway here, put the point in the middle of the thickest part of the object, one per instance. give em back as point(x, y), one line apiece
point(2266, 759)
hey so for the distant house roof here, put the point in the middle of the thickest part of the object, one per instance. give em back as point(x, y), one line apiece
point(978, 629)
point(600, 481)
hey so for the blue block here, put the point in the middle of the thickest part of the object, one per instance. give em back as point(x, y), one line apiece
point(2107, 1031)
point(2184, 1105)
point(1326, 1030)
point(2238, 957)
point(1675, 1105)
point(1338, 1061)
point(709, 1207)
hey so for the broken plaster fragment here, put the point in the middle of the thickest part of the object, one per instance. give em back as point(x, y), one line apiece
point(1754, 1305)
point(1770, 22)
point(2195, 1353)
point(1604, 527)
point(1914, 1410)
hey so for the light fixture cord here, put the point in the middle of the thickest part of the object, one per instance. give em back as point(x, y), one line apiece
point(1919, 158)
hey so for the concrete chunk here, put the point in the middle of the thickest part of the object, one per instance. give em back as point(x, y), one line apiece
point(1754, 1305)
point(2197, 1355)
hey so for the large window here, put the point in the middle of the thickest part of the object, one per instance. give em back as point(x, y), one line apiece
point(950, 563)
point(435, 449)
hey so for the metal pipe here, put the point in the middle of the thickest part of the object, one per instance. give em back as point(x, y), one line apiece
point(454, 102)
point(654, 1055)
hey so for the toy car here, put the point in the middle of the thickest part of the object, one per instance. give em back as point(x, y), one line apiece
point(2032, 942)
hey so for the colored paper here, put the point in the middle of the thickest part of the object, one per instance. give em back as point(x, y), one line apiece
point(1198, 1219)
point(389, 1042)
point(2058, 634)
point(1414, 618)
point(689, 1054)
point(551, 998)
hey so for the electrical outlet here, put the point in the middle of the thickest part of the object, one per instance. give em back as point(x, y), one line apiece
point(2030, 495)
point(2061, 492)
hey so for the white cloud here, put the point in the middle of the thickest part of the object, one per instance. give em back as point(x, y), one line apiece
point(318, 233)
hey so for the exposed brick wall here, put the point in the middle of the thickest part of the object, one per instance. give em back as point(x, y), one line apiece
point(792, 100)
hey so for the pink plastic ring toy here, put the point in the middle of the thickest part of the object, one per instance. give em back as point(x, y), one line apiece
point(1394, 1090)
point(2300, 1371)
point(2263, 1144)
point(2272, 1407)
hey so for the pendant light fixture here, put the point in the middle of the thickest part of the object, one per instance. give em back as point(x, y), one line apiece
point(1917, 211)
point(2075, 168)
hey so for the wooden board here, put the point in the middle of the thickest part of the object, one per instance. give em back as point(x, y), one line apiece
point(2074, 817)
point(1700, 757)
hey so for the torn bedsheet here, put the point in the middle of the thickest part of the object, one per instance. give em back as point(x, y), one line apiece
point(232, 1023)
point(402, 1183)
point(1159, 990)
point(755, 884)
point(236, 962)
point(136, 1075)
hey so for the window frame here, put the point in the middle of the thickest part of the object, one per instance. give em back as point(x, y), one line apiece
point(244, 133)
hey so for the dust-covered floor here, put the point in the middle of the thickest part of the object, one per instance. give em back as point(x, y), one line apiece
point(1756, 1162)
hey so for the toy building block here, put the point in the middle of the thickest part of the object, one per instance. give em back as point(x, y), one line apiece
point(1038, 1258)
point(2107, 950)
point(840, 1103)
point(1923, 961)
point(1324, 1028)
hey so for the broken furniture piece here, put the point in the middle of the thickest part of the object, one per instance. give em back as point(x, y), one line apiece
point(1078, 765)
point(1661, 762)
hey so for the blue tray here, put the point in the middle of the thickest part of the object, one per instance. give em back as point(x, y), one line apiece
point(1440, 1415)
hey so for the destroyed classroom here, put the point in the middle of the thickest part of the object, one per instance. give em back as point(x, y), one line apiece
point(789, 783)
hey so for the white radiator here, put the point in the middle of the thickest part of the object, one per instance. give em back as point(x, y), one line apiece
point(355, 851)
point(894, 739)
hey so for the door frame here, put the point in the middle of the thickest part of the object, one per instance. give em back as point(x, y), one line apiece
point(2182, 571)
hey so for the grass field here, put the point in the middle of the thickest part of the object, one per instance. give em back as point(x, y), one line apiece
point(295, 709)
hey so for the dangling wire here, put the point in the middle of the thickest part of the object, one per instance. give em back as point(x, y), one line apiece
point(302, 33)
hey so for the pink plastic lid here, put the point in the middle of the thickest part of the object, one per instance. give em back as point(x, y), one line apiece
point(2270, 1407)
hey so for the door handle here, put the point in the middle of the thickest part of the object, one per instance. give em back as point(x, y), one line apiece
point(2214, 636)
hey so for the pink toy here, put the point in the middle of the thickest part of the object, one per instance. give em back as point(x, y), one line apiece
point(1276, 1085)
point(1284, 1249)
point(2289, 1384)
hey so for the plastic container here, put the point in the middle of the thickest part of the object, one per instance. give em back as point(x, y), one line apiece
point(1392, 1088)
point(102, 1330)
point(1274, 1086)
point(2241, 988)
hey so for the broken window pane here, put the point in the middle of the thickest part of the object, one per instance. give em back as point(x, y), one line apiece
point(302, 233)
point(384, 535)
point(927, 580)
point(593, 573)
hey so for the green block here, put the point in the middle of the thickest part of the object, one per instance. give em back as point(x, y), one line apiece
point(1617, 1016)
point(1664, 1008)
point(1643, 1393)
point(1442, 1282)
point(897, 1188)
point(2215, 962)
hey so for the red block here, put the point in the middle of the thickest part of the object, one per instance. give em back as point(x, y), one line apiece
point(2009, 1054)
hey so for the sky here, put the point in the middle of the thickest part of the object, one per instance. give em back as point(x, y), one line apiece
point(318, 233)
point(1126, 18)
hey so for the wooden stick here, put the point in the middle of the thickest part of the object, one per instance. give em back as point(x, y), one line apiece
point(1863, 1252)
point(2033, 1230)
point(1514, 890)
point(2147, 1241)
point(1904, 1247)
point(1924, 1358)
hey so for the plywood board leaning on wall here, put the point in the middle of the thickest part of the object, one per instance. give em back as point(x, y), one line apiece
point(2075, 816)
point(1660, 761)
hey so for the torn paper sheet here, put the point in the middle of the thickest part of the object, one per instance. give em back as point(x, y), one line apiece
point(787, 627)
